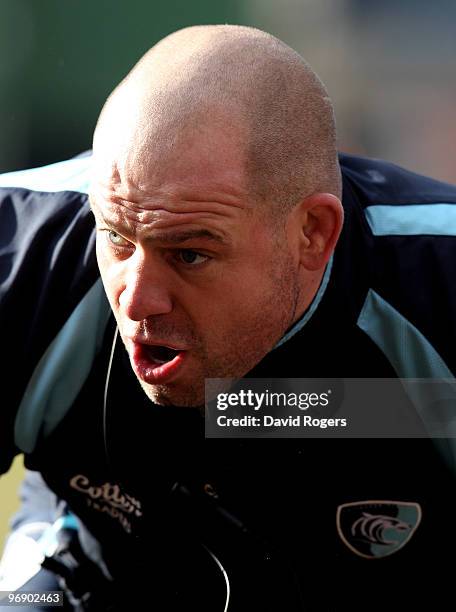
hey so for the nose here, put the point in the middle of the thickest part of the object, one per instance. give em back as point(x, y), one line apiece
point(144, 292)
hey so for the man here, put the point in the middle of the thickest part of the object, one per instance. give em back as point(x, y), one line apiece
point(216, 192)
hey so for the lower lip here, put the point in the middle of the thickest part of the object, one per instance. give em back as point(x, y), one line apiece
point(154, 373)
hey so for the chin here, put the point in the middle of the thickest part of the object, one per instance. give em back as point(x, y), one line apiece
point(169, 395)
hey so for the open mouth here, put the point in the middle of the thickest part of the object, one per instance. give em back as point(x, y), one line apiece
point(160, 354)
point(157, 363)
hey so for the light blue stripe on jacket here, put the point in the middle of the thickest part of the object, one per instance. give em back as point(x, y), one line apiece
point(70, 175)
point(412, 219)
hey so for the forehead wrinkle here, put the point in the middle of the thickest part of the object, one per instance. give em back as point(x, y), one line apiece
point(153, 193)
point(171, 212)
point(116, 220)
point(176, 203)
point(162, 219)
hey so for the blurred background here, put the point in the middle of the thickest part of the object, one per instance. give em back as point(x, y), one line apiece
point(389, 67)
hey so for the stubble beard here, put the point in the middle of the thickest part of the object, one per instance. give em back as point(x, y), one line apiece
point(251, 342)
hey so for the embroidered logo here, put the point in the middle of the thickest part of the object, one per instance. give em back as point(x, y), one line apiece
point(108, 498)
point(375, 528)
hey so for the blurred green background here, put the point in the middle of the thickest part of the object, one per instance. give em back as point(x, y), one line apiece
point(59, 60)
point(389, 67)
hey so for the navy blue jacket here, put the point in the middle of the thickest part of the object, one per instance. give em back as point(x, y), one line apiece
point(275, 513)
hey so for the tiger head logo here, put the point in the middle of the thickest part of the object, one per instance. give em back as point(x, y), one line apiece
point(375, 529)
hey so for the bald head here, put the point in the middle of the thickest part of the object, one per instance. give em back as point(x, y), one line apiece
point(242, 82)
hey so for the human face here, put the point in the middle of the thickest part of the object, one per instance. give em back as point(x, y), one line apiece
point(200, 281)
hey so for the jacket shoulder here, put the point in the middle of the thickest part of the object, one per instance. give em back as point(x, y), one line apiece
point(379, 182)
point(47, 266)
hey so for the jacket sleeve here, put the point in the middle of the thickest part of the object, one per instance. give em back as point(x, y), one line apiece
point(47, 262)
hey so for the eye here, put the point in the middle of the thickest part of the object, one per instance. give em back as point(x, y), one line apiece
point(116, 239)
point(189, 257)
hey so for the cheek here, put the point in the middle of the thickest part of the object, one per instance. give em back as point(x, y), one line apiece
point(259, 296)
point(99, 250)
point(109, 275)
point(236, 303)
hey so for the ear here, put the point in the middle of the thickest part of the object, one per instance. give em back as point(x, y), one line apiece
point(316, 224)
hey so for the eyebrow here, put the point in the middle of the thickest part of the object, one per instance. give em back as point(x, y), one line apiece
point(176, 237)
